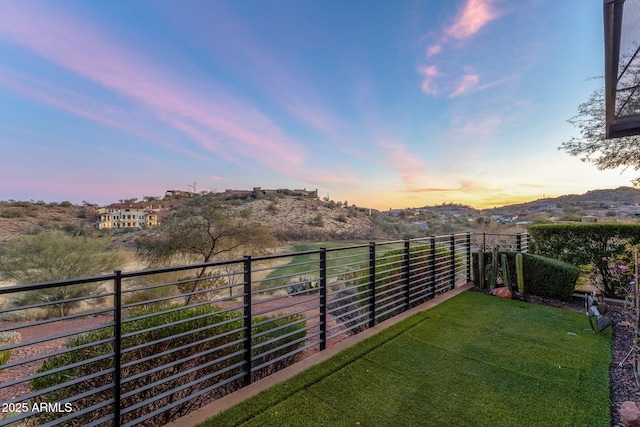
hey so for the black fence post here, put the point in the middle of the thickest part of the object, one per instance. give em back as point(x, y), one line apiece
point(247, 321)
point(468, 248)
point(407, 273)
point(453, 261)
point(117, 345)
point(323, 298)
point(372, 284)
point(519, 242)
point(432, 266)
point(484, 242)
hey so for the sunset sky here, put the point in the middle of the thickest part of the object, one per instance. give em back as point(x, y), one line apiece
point(385, 104)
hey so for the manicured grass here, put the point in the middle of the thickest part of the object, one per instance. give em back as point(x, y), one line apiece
point(472, 360)
point(298, 264)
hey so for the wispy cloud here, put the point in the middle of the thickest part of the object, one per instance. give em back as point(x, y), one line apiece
point(474, 15)
point(397, 158)
point(69, 100)
point(433, 50)
point(484, 125)
point(466, 84)
point(430, 74)
point(261, 67)
point(471, 18)
point(219, 123)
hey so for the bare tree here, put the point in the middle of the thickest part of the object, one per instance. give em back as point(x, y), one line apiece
point(202, 235)
point(592, 146)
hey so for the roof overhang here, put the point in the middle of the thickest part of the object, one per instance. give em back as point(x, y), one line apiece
point(621, 73)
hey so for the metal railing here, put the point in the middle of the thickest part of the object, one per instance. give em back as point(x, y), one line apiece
point(147, 347)
point(505, 242)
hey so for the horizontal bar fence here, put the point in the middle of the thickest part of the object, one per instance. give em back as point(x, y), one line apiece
point(148, 347)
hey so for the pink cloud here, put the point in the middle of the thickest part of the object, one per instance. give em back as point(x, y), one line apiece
point(486, 125)
point(397, 158)
point(226, 126)
point(465, 85)
point(474, 15)
point(434, 49)
point(274, 75)
point(429, 76)
point(83, 106)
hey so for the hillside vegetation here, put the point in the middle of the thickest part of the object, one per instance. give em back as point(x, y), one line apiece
point(292, 218)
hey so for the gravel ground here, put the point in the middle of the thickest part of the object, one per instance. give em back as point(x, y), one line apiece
point(623, 382)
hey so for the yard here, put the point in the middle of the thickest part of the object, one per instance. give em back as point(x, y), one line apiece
point(472, 360)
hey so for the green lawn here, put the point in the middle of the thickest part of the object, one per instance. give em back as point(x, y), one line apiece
point(474, 360)
point(300, 264)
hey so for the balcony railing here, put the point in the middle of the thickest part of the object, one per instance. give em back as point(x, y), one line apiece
point(147, 347)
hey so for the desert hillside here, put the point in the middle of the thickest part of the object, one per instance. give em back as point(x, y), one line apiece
point(288, 218)
point(20, 218)
point(292, 218)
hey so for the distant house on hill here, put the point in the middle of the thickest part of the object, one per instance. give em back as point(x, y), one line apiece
point(237, 194)
point(548, 207)
point(259, 192)
point(628, 211)
point(179, 194)
point(121, 215)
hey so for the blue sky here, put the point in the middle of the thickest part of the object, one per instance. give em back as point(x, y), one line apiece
point(385, 104)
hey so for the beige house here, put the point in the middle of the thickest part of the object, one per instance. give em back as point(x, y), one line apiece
point(127, 216)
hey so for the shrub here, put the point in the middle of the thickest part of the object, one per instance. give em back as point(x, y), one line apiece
point(586, 244)
point(318, 221)
point(168, 354)
point(543, 276)
point(350, 308)
point(12, 213)
point(549, 277)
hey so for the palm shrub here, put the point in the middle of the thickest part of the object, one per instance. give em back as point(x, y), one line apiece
point(169, 354)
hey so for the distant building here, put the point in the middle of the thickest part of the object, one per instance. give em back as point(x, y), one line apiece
point(178, 194)
point(548, 207)
point(237, 194)
point(120, 215)
point(628, 211)
point(589, 219)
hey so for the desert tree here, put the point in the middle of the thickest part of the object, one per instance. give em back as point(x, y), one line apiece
point(592, 146)
point(51, 256)
point(202, 234)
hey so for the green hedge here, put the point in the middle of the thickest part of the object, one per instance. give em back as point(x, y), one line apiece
point(543, 276)
point(549, 277)
point(598, 245)
point(145, 375)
